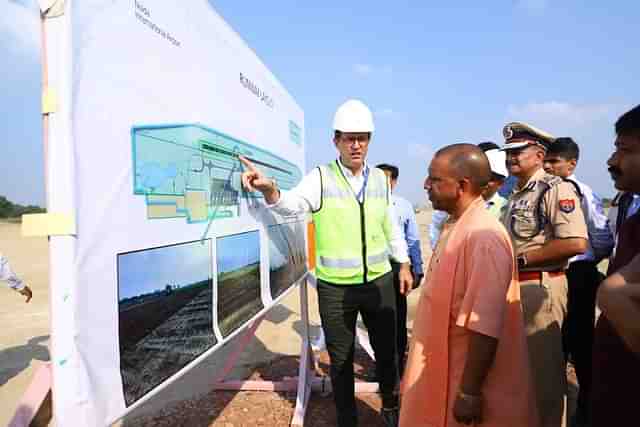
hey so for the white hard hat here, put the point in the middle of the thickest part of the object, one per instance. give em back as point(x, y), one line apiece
point(497, 159)
point(353, 116)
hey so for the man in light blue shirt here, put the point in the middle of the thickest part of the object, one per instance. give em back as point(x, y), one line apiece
point(406, 218)
point(582, 275)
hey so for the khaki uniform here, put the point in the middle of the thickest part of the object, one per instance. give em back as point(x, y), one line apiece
point(544, 299)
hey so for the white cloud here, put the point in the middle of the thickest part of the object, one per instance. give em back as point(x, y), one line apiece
point(363, 69)
point(532, 6)
point(368, 69)
point(564, 115)
point(20, 27)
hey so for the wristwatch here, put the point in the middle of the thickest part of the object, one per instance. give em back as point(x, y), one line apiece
point(522, 261)
point(473, 399)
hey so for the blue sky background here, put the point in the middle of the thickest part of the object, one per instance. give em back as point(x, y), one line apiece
point(237, 251)
point(148, 271)
point(433, 75)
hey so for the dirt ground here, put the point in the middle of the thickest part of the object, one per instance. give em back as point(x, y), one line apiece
point(190, 400)
point(226, 409)
point(24, 340)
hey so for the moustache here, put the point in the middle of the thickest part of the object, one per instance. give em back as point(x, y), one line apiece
point(614, 171)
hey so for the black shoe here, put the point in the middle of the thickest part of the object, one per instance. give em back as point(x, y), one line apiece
point(390, 416)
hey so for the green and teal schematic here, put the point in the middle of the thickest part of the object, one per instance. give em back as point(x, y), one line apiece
point(191, 171)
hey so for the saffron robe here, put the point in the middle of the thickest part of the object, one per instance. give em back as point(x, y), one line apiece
point(471, 286)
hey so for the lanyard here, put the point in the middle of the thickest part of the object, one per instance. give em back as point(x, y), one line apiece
point(365, 174)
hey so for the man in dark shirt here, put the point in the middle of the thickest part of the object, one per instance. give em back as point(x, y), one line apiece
point(616, 368)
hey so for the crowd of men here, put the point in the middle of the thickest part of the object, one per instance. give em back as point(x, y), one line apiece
point(509, 296)
point(510, 292)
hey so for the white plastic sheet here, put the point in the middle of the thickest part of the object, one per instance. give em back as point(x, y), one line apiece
point(155, 102)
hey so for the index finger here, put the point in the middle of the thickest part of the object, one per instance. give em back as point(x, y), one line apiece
point(247, 163)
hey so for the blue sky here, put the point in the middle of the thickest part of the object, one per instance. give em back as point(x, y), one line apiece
point(433, 75)
point(237, 251)
point(151, 270)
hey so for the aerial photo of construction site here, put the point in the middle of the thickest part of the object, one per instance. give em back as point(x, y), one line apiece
point(287, 256)
point(239, 299)
point(165, 313)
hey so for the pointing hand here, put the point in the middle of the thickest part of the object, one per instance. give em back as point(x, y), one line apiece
point(254, 180)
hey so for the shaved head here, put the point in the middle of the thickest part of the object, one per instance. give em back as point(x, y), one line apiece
point(467, 161)
point(458, 174)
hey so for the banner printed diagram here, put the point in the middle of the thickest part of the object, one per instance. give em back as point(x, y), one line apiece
point(192, 171)
point(165, 312)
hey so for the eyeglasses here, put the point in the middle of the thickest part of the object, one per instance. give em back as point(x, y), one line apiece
point(353, 139)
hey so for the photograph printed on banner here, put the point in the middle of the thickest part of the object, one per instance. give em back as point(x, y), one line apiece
point(287, 256)
point(165, 313)
point(238, 260)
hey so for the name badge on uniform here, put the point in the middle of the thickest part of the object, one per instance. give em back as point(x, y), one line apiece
point(567, 205)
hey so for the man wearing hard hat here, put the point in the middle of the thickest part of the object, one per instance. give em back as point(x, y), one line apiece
point(350, 205)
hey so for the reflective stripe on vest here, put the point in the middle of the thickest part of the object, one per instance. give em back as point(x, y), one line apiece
point(349, 232)
point(353, 262)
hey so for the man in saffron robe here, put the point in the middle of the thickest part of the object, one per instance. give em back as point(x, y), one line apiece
point(468, 361)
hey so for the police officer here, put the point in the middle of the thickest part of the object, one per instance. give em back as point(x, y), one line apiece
point(547, 227)
point(350, 203)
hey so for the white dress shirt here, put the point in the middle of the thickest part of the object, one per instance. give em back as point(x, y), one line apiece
point(306, 197)
point(600, 236)
point(7, 275)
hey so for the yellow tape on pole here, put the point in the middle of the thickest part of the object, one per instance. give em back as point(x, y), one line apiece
point(48, 224)
point(49, 101)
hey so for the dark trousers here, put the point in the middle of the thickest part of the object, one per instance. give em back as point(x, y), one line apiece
point(583, 278)
point(339, 307)
point(401, 319)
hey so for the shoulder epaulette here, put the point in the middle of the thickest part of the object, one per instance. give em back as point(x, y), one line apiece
point(550, 180)
point(575, 186)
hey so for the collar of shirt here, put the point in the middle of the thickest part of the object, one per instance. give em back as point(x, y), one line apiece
point(347, 172)
point(531, 183)
point(355, 181)
point(634, 205)
point(573, 178)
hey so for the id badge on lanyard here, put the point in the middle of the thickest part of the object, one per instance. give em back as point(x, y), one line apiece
point(360, 195)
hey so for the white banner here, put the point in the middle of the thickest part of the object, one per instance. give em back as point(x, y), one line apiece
point(172, 258)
